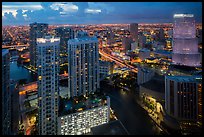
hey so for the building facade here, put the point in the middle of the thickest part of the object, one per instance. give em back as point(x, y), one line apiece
point(126, 43)
point(141, 40)
point(6, 94)
point(110, 37)
point(81, 122)
point(65, 33)
point(14, 108)
point(105, 69)
point(83, 66)
point(144, 53)
point(183, 99)
point(37, 30)
point(144, 75)
point(134, 31)
point(161, 35)
point(185, 42)
point(48, 84)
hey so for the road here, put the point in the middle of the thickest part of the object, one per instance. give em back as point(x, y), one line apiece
point(15, 46)
point(117, 61)
point(134, 118)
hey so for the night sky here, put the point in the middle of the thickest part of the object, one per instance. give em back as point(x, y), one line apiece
point(23, 13)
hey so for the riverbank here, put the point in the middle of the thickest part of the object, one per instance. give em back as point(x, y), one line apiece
point(152, 117)
point(146, 109)
point(136, 117)
point(29, 68)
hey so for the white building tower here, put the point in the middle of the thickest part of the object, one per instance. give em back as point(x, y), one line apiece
point(48, 73)
point(83, 67)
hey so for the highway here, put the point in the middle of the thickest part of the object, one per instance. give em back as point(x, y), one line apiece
point(117, 61)
point(15, 46)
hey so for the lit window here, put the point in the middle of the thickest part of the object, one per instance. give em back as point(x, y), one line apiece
point(39, 77)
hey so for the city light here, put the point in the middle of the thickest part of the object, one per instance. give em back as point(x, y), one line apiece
point(81, 69)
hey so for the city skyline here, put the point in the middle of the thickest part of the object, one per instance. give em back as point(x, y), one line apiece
point(102, 68)
point(24, 13)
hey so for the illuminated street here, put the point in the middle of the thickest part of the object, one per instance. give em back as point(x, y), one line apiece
point(117, 61)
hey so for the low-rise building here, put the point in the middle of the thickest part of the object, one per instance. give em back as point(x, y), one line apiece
point(144, 75)
point(105, 69)
point(144, 53)
point(77, 116)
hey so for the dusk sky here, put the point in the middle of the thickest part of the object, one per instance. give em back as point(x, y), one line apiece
point(24, 13)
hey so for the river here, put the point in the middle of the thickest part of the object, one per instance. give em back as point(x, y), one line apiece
point(18, 72)
point(134, 118)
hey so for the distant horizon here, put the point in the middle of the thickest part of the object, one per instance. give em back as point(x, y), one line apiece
point(24, 13)
point(95, 24)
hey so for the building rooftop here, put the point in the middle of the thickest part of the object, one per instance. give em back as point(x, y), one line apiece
point(163, 52)
point(77, 104)
point(4, 51)
point(104, 63)
point(144, 50)
point(151, 58)
point(35, 23)
point(194, 78)
point(146, 70)
point(46, 39)
point(183, 15)
point(182, 68)
point(111, 128)
point(85, 39)
point(157, 84)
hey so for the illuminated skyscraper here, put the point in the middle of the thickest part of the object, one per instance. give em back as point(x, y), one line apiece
point(141, 40)
point(83, 66)
point(37, 30)
point(185, 43)
point(183, 99)
point(48, 87)
point(65, 33)
point(110, 37)
point(134, 32)
point(126, 43)
point(161, 35)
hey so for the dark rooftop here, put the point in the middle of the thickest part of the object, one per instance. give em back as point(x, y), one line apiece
point(111, 128)
point(182, 67)
point(157, 83)
point(77, 104)
point(163, 52)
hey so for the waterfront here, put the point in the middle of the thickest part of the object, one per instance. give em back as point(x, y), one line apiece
point(17, 71)
point(132, 115)
point(134, 118)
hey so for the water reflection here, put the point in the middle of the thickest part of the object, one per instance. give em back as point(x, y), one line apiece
point(18, 72)
point(133, 117)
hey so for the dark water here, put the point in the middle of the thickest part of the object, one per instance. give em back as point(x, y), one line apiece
point(134, 118)
point(18, 72)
